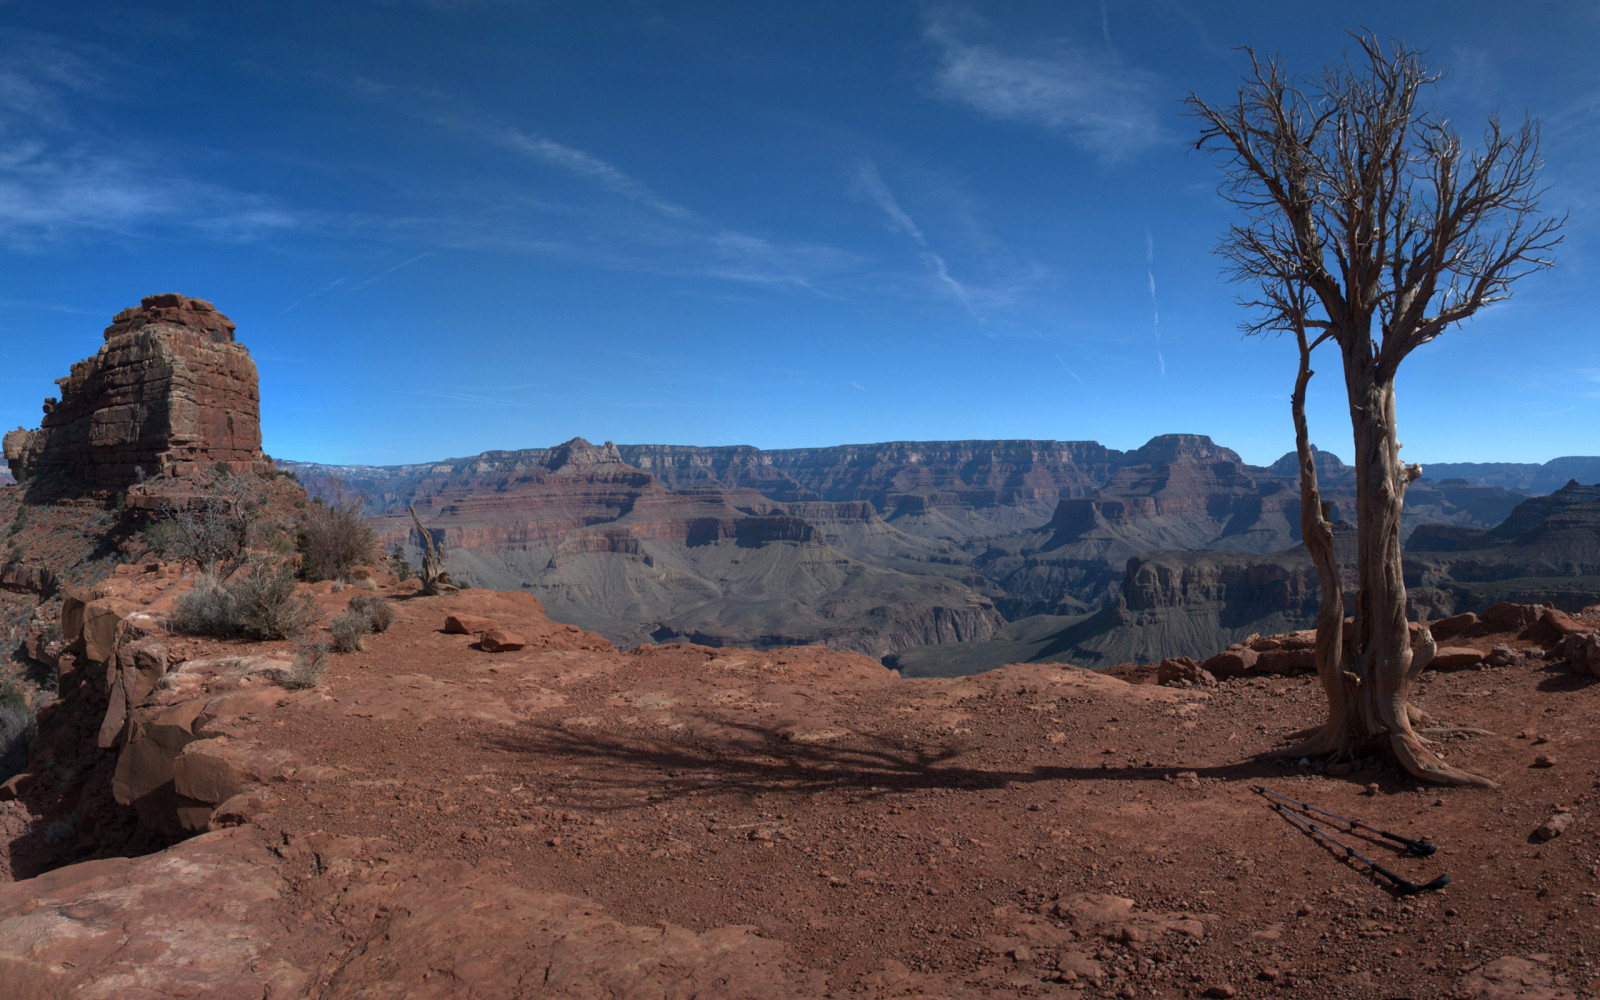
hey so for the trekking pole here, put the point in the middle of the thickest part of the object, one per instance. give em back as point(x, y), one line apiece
point(1403, 887)
point(1421, 848)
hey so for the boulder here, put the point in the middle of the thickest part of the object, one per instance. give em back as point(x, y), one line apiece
point(1175, 669)
point(1286, 661)
point(465, 624)
point(500, 640)
point(1582, 652)
point(1449, 628)
point(1509, 617)
point(1455, 658)
point(1554, 626)
point(1232, 662)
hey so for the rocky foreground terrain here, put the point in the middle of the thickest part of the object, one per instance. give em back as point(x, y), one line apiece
point(569, 819)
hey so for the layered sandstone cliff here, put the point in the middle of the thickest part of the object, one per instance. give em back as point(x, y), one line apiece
point(169, 390)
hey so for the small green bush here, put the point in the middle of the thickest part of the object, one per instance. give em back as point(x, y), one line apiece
point(399, 565)
point(261, 604)
point(380, 614)
point(350, 632)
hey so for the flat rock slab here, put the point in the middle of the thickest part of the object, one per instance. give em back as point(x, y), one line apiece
point(465, 624)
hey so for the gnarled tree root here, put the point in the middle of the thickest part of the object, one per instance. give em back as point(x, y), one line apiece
point(1421, 762)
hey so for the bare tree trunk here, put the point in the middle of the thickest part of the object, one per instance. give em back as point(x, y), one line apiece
point(435, 580)
point(1316, 531)
point(1384, 663)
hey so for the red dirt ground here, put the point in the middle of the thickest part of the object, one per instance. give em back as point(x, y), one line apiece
point(976, 836)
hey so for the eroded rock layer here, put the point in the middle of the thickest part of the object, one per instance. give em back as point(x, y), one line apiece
point(168, 391)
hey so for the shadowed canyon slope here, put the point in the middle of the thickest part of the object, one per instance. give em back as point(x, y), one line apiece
point(876, 548)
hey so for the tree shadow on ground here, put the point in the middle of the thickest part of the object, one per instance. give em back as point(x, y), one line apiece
point(1561, 677)
point(616, 771)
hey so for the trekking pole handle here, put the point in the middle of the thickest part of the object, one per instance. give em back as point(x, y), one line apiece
point(1399, 883)
point(1421, 848)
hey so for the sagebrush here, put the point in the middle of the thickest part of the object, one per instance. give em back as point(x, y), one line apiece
point(350, 631)
point(260, 604)
point(311, 659)
point(380, 614)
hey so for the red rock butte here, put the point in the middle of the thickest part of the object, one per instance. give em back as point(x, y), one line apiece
point(169, 391)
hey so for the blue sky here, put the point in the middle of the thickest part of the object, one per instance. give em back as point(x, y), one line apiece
point(444, 227)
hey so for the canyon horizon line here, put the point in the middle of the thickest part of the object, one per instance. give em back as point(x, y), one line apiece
point(1456, 468)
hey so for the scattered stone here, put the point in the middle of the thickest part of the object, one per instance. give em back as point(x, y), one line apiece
point(500, 640)
point(1371, 789)
point(1222, 990)
point(1553, 827)
point(1501, 656)
point(1544, 760)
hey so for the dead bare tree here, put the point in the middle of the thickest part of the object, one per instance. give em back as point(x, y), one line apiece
point(1368, 223)
point(435, 580)
point(213, 530)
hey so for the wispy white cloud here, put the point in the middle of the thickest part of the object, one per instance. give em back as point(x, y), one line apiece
point(1150, 274)
point(631, 227)
point(588, 167)
point(61, 182)
point(1069, 370)
point(870, 183)
point(1155, 309)
point(1093, 97)
point(343, 282)
point(390, 270)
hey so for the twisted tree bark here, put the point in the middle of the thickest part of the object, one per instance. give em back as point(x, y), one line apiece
point(435, 579)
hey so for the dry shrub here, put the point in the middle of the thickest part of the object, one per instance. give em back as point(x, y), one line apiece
point(350, 632)
point(311, 659)
point(335, 538)
point(215, 531)
point(259, 605)
point(378, 611)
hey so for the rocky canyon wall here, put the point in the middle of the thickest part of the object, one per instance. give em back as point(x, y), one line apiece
point(170, 389)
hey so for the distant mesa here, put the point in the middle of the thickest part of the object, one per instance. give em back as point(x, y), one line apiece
point(169, 390)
